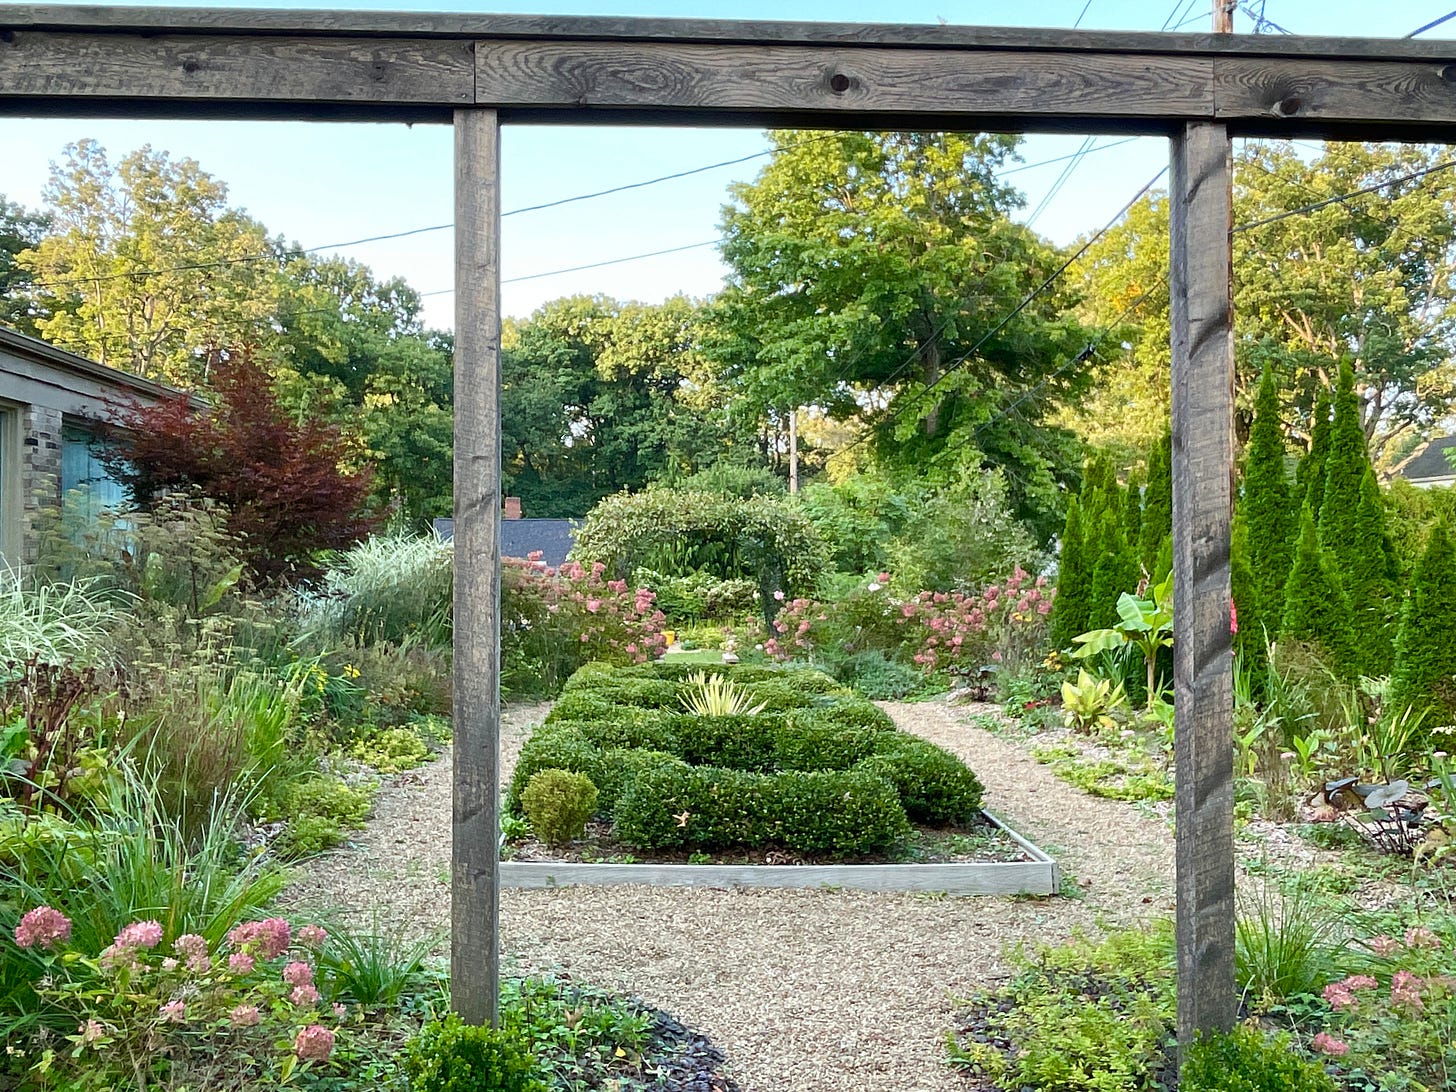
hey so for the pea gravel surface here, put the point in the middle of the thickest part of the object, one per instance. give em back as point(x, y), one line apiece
point(805, 991)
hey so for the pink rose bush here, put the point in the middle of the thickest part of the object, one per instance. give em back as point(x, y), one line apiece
point(137, 1001)
point(942, 631)
point(1397, 1022)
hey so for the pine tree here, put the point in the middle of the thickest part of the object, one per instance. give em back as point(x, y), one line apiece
point(1425, 652)
point(1157, 525)
point(1116, 569)
point(1267, 517)
point(1352, 529)
point(1074, 580)
point(1310, 477)
point(1132, 523)
point(1315, 608)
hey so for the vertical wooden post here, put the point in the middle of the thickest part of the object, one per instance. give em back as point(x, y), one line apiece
point(475, 874)
point(1201, 268)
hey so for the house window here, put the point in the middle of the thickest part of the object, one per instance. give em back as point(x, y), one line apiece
point(82, 469)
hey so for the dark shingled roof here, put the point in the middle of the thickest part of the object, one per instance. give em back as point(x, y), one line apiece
point(521, 537)
point(1432, 461)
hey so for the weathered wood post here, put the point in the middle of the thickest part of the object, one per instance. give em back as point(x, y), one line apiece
point(1201, 268)
point(475, 874)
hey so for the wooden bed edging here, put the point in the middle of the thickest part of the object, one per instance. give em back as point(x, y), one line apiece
point(1038, 876)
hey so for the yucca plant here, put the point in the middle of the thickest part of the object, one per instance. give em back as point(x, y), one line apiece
point(715, 695)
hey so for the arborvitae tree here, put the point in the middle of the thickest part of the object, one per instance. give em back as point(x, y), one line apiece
point(1157, 525)
point(1352, 529)
point(1116, 569)
point(1268, 518)
point(1425, 652)
point(1132, 523)
point(1315, 608)
point(1251, 618)
point(1310, 477)
point(1163, 564)
point(1074, 580)
point(1100, 492)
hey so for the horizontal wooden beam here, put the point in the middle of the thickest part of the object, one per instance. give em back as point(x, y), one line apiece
point(466, 26)
point(279, 64)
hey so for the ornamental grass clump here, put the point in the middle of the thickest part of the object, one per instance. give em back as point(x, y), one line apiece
point(557, 804)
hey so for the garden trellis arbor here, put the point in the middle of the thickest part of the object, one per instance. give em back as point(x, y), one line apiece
point(480, 71)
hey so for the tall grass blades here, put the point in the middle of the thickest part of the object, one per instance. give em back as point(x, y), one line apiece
point(67, 622)
point(388, 588)
point(374, 967)
point(1285, 947)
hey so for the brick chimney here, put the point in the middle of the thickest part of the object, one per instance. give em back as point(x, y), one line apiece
point(513, 508)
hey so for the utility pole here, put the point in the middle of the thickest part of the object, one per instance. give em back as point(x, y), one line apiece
point(1223, 16)
point(793, 450)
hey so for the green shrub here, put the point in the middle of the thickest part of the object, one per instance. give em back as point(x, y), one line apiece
point(1246, 1060)
point(874, 675)
point(710, 808)
point(387, 588)
point(392, 750)
point(452, 1056)
point(744, 674)
point(848, 714)
point(814, 745)
point(319, 810)
point(588, 675)
point(558, 746)
point(644, 728)
point(557, 804)
point(739, 743)
point(373, 967)
point(1425, 657)
point(934, 785)
point(621, 689)
point(583, 703)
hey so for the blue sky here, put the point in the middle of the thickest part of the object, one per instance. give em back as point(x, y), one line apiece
point(326, 183)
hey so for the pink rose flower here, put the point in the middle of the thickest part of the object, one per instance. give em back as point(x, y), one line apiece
point(314, 1044)
point(42, 927)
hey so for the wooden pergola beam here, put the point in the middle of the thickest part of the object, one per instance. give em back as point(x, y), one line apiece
point(200, 63)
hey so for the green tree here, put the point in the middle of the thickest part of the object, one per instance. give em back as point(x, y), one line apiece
point(1310, 477)
point(1157, 524)
point(1265, 509)
point(146, 268)
point(1315, 608)
point(1352, 531)
point(1425, 658)
point(19, 231)
point(889, 263)
point(1116, 570)
point(1072, 608)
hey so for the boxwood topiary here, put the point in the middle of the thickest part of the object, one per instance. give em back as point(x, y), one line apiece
point(737, 742)
point(452, 1056)
point(814, 745)
point(834, 811)
point(649, 729)
point(552, 747)
point(850, 713)
point(1246, 1060)
point(780, 696)
point(934, 785)
point(585, 676)
point(629, 690)
point(583, 704)
point(557, 804)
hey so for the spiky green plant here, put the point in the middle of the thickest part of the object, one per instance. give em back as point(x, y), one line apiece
point(715, 695)
point(388, 588)
point(66, 622)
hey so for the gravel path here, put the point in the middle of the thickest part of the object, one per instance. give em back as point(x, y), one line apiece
point(830, 991)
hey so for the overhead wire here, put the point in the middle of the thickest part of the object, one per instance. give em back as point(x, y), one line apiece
point(1433, 24)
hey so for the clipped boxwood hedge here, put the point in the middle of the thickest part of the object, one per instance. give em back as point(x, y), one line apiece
point(817, 771)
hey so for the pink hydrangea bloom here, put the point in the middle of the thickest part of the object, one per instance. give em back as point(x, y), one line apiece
point(314, 1043)
point(1383, 945)
point(170, 964)
point(268, 938)
point(245, 1016)
point(298, 974)
point(1360, 982)
point(42, 927)
point(1421, 937)
point(241, 963)
point(1338, 996)
point(91, 1031)
point(116, 957)
point(173, 1012)
point(140, 934)
point(1327, 1044)
point(1405, 990)
point(304, 995)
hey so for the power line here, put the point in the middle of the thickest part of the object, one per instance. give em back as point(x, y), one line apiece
point(1432, 24)
point(1343, 197)
point(1261, 21)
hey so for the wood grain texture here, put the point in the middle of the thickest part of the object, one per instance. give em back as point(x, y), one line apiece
point(1203, 454)
point(795, 78)
point(188, 67)
point(467, 25)
point(1026, 878)
point(1298, 90)
point(475, 874)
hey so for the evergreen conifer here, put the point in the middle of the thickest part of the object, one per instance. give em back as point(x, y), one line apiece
point(1425, 652)
point(1115, 571)
point(1157, 522)
point(1074, 580)
point(1315, 607)
point(1267, 518)
point(1310, 476)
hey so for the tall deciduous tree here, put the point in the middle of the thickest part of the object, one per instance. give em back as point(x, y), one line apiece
point(874, 275)
point(19, 231)
point(146, 267)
